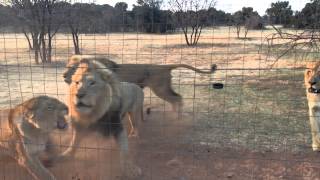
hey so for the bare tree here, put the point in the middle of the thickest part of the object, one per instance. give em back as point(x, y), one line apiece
point(306, 40)
point(238, 21)
point(253, 22)
point(39, 25)
point(248, 18)
point(191, 17)
point(73, 22)
point(28, 12)
point(284, 42)
point(81, 17)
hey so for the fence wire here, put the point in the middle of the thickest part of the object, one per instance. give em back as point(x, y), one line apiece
point(256, 127)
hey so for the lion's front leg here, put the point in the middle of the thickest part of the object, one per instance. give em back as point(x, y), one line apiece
point(29, 159)
point(128, 168)
point(69, 153)
point(75, 141)
point(314, 114)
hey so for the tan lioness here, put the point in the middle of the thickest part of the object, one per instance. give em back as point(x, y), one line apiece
point(156, 77)
point(98, 103)
point(25, 129)
point(312, 83)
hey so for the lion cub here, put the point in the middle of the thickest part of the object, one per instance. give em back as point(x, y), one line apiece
point(24, 131)
point(312, 83)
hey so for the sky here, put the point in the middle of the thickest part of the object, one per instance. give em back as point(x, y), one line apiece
point(230, 6)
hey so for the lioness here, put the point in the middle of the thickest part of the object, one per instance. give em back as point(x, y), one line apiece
point(312, 83)
point(25, 131)
point(97, 105)
point(156, 77)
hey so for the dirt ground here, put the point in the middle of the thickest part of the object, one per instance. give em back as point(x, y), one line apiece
point(255, 128)
point(164, 153)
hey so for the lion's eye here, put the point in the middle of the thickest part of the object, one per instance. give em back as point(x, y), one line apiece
point(76, 82)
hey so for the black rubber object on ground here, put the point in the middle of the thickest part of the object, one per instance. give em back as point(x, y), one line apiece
point(217, 85)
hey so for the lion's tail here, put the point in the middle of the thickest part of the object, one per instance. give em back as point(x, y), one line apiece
point(213, 68)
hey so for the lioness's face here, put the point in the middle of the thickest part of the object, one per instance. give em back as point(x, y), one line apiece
point(49, 114)
point(87, 89)
point(312, 78)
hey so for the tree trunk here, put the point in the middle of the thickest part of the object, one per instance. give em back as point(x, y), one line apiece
point(238, 31)
point(197, 38)
point(75, 38)
point(185, 32)
point(35, 42)
point(191, 35)
point(36, 53)
point(246, 32)
point(43, 50)
point(36, 47)
point(28, 39)
point(49, 50)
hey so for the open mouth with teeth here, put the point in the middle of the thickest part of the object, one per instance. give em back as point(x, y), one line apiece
point(314, 90)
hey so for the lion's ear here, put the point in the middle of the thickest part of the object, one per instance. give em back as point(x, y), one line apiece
point(72, 64)
point(67, 75)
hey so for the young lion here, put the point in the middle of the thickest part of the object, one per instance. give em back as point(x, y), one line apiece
point(312, 83)
point(24, 131)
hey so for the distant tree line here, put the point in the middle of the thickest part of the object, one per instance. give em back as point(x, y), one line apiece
point(40, 20)
point(281, 13)
point(94, 18)
point(147, 16)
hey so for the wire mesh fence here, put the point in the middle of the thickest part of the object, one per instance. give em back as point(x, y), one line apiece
point(256, 127)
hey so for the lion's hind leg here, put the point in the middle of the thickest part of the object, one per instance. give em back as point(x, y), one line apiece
point(30, 161)
point(166, 93)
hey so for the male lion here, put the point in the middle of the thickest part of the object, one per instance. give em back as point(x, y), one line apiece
point(156, 77)
point(97, 104)
point(25, 131)
point(312, 83)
